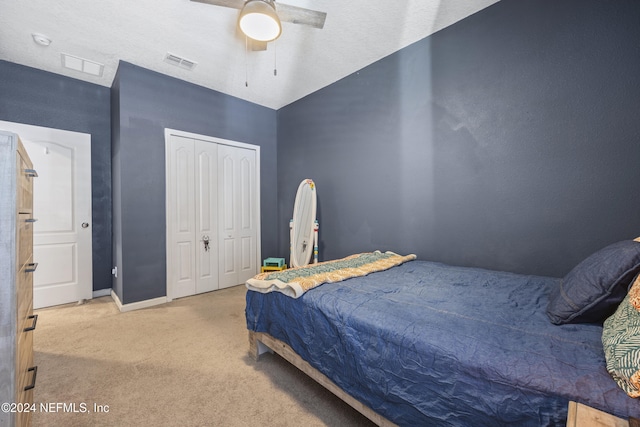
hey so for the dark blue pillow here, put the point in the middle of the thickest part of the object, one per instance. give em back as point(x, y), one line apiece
point(592, 291)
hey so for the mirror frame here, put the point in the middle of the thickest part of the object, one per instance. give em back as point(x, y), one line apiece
point(303, 224)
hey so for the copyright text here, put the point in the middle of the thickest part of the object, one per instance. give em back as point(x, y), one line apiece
point(55, 407)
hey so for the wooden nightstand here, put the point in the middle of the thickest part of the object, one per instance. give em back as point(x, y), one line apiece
point(584, 416)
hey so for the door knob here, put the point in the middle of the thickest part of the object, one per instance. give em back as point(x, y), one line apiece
point(85, 225)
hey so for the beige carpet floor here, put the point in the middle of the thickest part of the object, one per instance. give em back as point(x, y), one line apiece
point(184, 363)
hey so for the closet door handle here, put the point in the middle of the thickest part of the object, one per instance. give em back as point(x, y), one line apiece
point(33, 325)
point(31, 173)
point(31, 267)
point(30, 220)
point(33, 369)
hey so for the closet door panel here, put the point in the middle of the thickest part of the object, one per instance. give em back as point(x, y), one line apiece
point(206, 216)
point(182, 217)
point(247, 215)
point(228, 189)
point(238, 214)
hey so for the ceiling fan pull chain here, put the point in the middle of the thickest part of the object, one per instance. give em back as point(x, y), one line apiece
point(275, 59)
point(246, 72)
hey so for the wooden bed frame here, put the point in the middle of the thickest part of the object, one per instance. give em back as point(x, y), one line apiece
point(260, 342)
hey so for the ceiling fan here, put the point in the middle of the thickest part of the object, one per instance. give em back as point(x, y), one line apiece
point(260, 20)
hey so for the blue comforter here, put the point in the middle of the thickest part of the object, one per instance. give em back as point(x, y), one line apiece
point(430, 344)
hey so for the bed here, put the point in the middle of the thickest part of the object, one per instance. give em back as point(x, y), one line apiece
point(424, 343)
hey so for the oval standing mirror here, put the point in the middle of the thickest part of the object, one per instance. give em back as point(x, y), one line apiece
point(303, 225)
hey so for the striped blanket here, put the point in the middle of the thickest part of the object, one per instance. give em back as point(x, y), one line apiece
point(296, 281)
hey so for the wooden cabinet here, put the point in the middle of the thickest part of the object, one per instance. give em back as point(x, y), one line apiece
point(17, 322)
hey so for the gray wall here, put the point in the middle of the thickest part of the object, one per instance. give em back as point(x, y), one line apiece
point(144, 104)
point(509, 140)
point(39, 98)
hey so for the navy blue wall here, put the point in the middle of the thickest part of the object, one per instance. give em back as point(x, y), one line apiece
point(39, 98)
point(145, 103)
point(509, 140)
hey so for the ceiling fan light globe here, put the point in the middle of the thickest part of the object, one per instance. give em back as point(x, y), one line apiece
point(259, 21)
point(259, 27)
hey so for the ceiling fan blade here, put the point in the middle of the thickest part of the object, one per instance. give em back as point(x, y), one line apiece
point(235, 4)
point(299, 15)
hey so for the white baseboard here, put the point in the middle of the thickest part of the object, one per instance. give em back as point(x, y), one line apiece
point(136, 305)
point(101, 293)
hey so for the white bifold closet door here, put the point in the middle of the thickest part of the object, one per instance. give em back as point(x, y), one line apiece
point(192, 214)
point(212, 216)
point(237, 193)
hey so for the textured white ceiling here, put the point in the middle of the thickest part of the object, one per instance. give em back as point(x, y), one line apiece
point(356, 34)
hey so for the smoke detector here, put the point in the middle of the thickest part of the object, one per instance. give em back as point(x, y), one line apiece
point(41, 39)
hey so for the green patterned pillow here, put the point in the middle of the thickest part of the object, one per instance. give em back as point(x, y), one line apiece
point(621, 341)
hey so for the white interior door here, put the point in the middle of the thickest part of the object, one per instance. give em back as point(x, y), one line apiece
point(238, 215)
point(62, 205)
point(191, 216)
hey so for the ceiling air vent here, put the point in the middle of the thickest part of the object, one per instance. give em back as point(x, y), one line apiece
point(179, 61)
point(83, 65)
